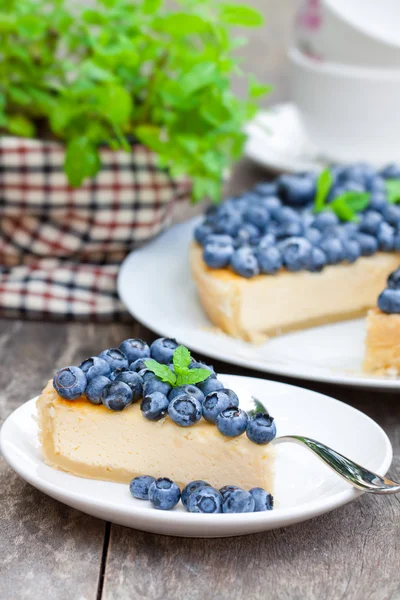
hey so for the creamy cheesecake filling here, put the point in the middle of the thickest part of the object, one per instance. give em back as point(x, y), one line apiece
point(269, 305)
point(95, 442)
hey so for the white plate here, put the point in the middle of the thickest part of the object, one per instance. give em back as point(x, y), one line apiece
point(156, 286)
point(277, 140)
point(304, 487)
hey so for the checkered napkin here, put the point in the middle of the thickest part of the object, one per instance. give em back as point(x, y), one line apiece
point(60, 247)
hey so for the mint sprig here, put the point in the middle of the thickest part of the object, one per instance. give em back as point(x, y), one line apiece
point(346, 206)
point(392, 190)
point(181, 375)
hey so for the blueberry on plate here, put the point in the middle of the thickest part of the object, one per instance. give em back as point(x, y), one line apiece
point(389, 301)
point(134, 348)
point(95, 389)
point(164, 494)
point(139, 486)
point(211, 384)
point(134, 381)
point(162, 350)
point(238, 501)
point(192, 390)
point(262, 499)
point(95, 366)
point(261, 428)
point(227, 489)
point(244, 262)
point(138, 365)
point(269, 260)
point(70, 382)
point(115, 358)
point(154, 406)
point(191, 487)
point(205, 500)
point(232, 421)
point(216, 256)
point(216, 402)
point(117, 395)
point(185, 410)
point(154, 384)
point(393, 281)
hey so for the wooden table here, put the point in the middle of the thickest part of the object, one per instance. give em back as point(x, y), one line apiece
point(51, 552)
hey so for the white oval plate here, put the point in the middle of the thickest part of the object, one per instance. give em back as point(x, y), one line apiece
point(304, 488)
point(156, 286)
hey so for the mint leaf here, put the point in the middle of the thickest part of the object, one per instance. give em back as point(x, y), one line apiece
point(81, 160)
point(162, 371)
point(324, 184)
point(393, 190)
point(192, 376)
point(238, 14)
point(342, 210)
point(357, 201)
point(181, 360)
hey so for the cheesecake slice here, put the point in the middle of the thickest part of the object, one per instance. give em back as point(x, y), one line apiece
point(269, 305)
point(94, 442)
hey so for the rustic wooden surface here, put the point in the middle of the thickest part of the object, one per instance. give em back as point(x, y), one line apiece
point(52, 552)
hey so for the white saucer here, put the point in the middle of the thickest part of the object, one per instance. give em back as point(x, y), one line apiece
point(277, 140)
point(304, 487)
point(156, 286)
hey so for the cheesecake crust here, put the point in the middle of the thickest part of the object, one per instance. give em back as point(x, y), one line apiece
point(382, 345)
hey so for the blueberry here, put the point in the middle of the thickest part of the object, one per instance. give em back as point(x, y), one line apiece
point(393, 281)
point(296, 253)
point(232, 395)
point(352, 250)
point(211, 384)
point(368, 243)
point(216, 256)
point(313, 235)
point(232, 421)
point(238, 501)
point(154, 406)
point(185, 410)
point(385, 237)
point(262, 499)
point(396, 241)
point(247, 234)
point(195, 364)
point(139, 486)
point(219, 239)
point(291, 229)
point(147, 375)
point(134, 381)
point(117, 395)
point(269, 260)
point(154, 384)
point(325, 219)
point(391, 171)
point(95, 389)
point(95, 366)
point(205, 500)
point(376, 185)
point(227, 489)
point(70, 382)
point(244, 263)
point(134, 348)
point(273, 205)
point(216, 402)
point(389, 301)
point(370, 222)
point(162, 350)
point(192, 390)
point(286, 215)
point(164, 494)
point(191, 487)
point(261, 428)
point(257, 215)
point(269, 188)
point(115, 358)
point(138, 365)
point(333, 249)
point(267, 241)
point(318, 260)
point(297, 190)
point(202, 231)
point(350, 230)
point(391, 213)
point(230, 224)
point(378, 201)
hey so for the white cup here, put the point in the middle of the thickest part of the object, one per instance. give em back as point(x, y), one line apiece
point(350, 113)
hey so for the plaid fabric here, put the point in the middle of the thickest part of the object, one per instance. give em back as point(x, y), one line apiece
point(61, 247)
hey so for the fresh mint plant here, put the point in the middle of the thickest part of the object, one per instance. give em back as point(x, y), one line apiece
point(346, 206)
point(116, 70)
point(181, 375)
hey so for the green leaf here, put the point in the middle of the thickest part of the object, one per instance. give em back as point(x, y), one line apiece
point(116, 103)
point(192, 376)
point(342, 210)
point(162, 371)
point(393, 190)
point(324, 184)
point(151, 7)
point(181, 359)
point(240, 14)
point(181, 24)
point(81, 160)
point(357, 201)
point(256, 89)
point(199, 76)
point(21, 126)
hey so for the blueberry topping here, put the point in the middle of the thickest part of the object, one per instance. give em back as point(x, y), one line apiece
point(370, 222)
point(162, 350)
point(185, 410)
point(297, 191)
point(134, 381)
point(154, 384)
point(227, 489)
point(391, 171)
point(232, 421)
point(325, 219)
point(217, 256)
point(262, 499)
point(117, 395)
point(138, 365)
point(393, 281)
point(216, 402)
point(261, 428)
point(333, 249)
point(164, 494)
point(200, 365)
point(134, 348)
point(238, 501)
point(202, 231)
point(269, 259)
point(95, 366)
point(257, 215)
point(191, 487)
point(296, 252)
point(95, 389)
point(205, 500)
point(318, 260)
point(115, 358)
point(211, 384)
point(154, 406)
point(70, 382)
point(385, 237)
point(139, 486)
point(192, 390)
point(389, 301)
point(352, 250)
point(244, 262)
point(368, 243)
